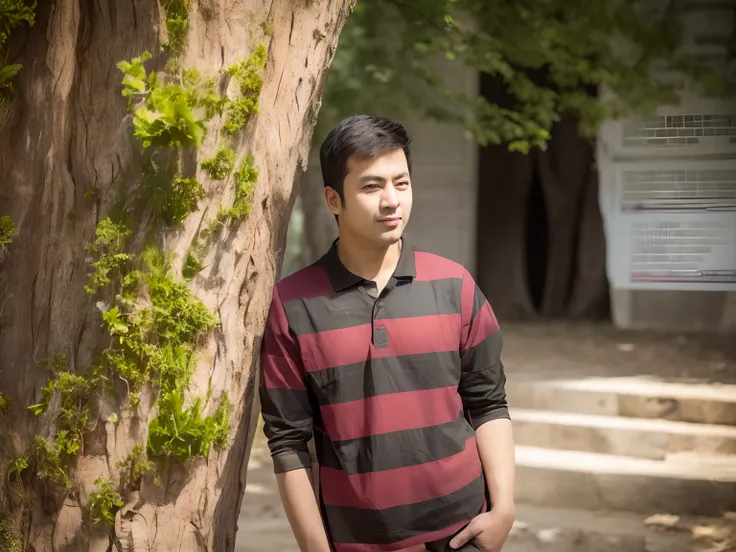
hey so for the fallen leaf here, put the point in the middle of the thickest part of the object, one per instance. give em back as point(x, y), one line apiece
point(664, 521)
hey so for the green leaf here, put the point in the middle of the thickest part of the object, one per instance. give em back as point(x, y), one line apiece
point(115, 324)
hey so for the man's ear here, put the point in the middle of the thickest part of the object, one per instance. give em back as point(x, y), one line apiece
point(334, 203)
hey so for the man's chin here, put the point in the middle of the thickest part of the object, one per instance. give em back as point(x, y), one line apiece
point(390, 237)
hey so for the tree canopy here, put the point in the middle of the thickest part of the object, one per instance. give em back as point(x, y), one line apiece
point(13, 14)
point(554, 56)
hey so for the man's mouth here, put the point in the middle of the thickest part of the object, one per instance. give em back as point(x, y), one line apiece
point(390, 221)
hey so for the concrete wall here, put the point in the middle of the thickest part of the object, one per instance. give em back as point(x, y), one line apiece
point(445, 180)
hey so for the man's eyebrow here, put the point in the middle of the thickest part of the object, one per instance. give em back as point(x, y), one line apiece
point(376, 178)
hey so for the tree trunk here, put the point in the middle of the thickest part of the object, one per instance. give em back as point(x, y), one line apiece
point(504, 183)
point(564, 171)
point(574, 261)
point(67, 156)
point(590, 296)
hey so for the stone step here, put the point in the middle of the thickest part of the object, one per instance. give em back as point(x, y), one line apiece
point(629, 397)
point(564, 530)
point(593, 481)
point(638, 437)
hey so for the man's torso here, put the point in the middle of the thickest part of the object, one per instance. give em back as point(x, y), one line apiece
point(398, 461)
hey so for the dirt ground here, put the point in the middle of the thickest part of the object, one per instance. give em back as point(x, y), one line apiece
point(601, 350)
point(550, 349)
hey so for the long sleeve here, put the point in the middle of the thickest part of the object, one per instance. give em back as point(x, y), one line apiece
point(285, 405)
point(482, 381)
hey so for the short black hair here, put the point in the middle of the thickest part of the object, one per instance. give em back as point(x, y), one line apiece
point(361, 136)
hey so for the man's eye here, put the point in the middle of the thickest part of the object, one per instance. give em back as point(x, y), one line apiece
point(403, 183)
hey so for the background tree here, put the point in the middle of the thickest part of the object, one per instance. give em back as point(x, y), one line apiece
point(144, 200)
point(542, 65)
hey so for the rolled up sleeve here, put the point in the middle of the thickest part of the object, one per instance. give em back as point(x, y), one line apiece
point(483, 380)
point(285, 403)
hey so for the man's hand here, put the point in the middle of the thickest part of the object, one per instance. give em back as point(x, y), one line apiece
point(488, 531)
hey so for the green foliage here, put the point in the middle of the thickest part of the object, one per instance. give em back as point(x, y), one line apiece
point(221, 165)
point(191, 267)
point(5, 403)
point(181, 432)
point(18, 466)
point(104, 502)
point(72, 417)
point(108, 247)
point(247, 74)
point(55, 366)
point(13, 13)
point(177, 315)
point(172, 200)
point(11, 539)
point(221, 420)
point(133, 467)
point(177, 23)
point(7, 72)
point(75, 406)
point(157, 340)
point(7, 231)
point(246, 178)
point(49, 462)
point(135, 82)
point(550, 57)
point(168, 114)
point(47, 391)
point(203, 93)
point(167, 119)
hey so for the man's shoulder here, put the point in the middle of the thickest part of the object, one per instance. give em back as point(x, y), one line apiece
point(306, 282)
point(431, 266)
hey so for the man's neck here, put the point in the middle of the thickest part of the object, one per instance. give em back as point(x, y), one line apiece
point(371, 263)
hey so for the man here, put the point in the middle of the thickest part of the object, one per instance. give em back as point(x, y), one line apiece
point(390, 357)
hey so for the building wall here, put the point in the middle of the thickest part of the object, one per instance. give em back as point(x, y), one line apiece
point(445, 181)
point(668, 196)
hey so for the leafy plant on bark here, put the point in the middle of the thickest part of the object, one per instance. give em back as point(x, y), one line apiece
point(13, 14)
point(155, 322)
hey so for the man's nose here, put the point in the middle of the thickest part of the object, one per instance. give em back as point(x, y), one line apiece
point(389, 198)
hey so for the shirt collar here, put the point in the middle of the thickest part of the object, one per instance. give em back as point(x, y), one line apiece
point(341, 278)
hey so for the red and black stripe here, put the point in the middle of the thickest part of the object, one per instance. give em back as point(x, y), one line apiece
point(392, 387)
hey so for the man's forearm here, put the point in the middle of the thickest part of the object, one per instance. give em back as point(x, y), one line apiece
point(495, 443)
point(302, 510)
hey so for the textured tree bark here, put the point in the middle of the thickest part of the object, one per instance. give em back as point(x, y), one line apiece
point(590, 295)
point(67, 132)
point(503, 190)
point(575, 278)
point(504, 182)
point(564, 171)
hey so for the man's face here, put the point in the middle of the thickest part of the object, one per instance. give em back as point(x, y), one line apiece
point(378, 199)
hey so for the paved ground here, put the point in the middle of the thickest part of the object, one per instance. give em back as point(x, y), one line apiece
point(549, 350)
point(262, 526)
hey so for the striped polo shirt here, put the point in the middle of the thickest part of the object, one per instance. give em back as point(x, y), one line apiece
point(392, 386)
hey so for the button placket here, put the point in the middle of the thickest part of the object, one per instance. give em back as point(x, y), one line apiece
point(379, 332)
